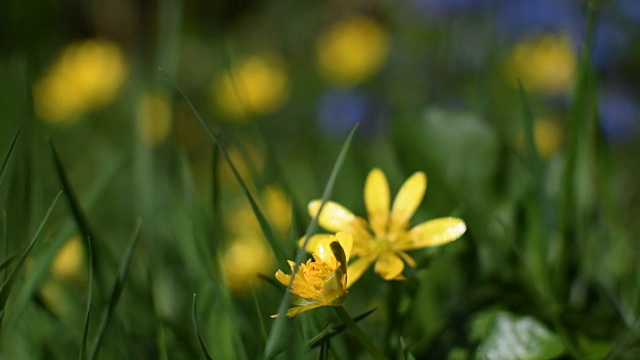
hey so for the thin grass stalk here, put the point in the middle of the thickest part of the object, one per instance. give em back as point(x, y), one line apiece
point(276, 335)
point(87, 315)
point(116, 291)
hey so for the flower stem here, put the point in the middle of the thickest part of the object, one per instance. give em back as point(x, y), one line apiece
point(355, 330)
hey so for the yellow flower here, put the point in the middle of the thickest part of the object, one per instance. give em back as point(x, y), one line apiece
point(386, 237)
point(257, 84)
point(153, 118)
point(86, 76)
point(321, 281)
point(547, 64)
point(352, 50)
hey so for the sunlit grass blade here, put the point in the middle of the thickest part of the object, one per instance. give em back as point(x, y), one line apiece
point(264, 224)
point(87, 315)
point(3, 170)
point(276, 336)
point(116, 292)
point(8, 284)
point(76, 210)
point(334, 330)
point(194, 319)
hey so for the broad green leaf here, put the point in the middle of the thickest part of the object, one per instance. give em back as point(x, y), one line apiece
point(514, 337)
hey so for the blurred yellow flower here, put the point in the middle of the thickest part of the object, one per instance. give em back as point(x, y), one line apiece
point(153, 118)
point(257, 85)
point(548, 136)
point(249, 253)
point(86, 76)
point(352, 50)
point(69, 262)
point(386, 237)
point(547, 64)
point(321, 281)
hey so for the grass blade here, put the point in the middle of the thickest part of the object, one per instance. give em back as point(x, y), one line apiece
point(276, 336)
point(334, 330)
point(87, 316)
point(78, 214)
point(529, 132)
point(264, 224)
point(116, 292)
point(194, 319)
point(3, 170)
point(8, 284)
point(7, 262)
point(355, 330)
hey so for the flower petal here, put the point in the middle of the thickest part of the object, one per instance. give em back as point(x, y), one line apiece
point(407, 201)
point(300, 309)
point(376, 199)
point(346, 241)
point(334, 217)
point(389, 266)
point(283, 278)
point(357, 268)
point(433, 233)
point(314, 241)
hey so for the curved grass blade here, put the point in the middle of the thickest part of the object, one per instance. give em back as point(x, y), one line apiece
point(76, 210)
point(276, 336)
point(355, 330)
point(8, 284)
point(7, 262)
point(116, 292)
point(333, 330)
point(87, 315)
point(194, 319)
point(40, 268)
point(3, 170)
point(264, 224)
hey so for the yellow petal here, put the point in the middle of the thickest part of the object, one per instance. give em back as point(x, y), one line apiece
point(300, 309)
point(334, 217)
point(407, 201)
point(389, 266)
point(357, 268)
point(314, 241)
point(346, 241)
point(283, 278)
point(376, 199)
point(433, 233)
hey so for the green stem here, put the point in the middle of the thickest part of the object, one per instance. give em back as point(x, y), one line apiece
point(355, 330)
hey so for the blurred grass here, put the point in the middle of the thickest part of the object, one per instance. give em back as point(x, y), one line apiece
point(551, 240)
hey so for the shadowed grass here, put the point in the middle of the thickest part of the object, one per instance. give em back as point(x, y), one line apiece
point(87, 315)
point(276, 336)
point(3, 169)
point(78, 214)
point(118, 286)
point(7, 286)
point(194, 319)
point(333, 330)
point(264, 224)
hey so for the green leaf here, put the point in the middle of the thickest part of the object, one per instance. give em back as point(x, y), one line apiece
point(519, 337)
